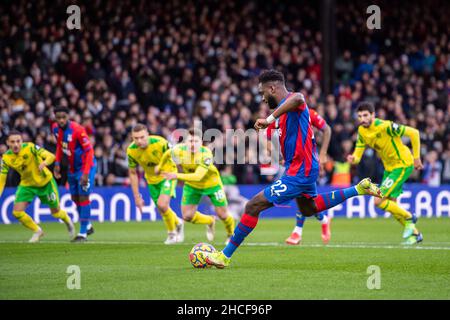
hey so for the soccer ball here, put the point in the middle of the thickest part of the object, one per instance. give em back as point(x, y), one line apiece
point(196, 256)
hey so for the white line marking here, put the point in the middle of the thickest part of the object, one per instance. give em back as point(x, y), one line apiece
point(349, 245)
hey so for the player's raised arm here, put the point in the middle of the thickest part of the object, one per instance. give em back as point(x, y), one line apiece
point(273, 90)
point(295, 101)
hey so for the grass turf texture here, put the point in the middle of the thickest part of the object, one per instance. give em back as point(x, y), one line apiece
point(129, 261)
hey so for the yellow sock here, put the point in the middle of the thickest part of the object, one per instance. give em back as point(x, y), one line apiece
point(400, 214)
point(170, 220)
point(229, 225)
point(26, 220)
point(61, 214)
point(200, 218)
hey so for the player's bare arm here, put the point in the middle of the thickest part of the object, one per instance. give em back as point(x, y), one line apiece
point(134, 182)
point(292, 102)
point(325, 144)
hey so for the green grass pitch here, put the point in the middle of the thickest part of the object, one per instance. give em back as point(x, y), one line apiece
point(130, 261)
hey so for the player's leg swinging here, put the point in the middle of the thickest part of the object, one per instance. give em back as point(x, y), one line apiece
point(307, 204)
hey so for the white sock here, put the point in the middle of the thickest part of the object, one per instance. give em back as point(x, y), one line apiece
point(84, 235)
point(89, 226)
point(298, 230)
point(324, 220)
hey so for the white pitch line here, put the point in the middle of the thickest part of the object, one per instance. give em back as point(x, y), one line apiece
point(355, 245)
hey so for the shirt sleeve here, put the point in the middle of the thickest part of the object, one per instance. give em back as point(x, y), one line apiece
point(395, 130)
point(45, 155)
point(4, 169)
point(207, 160)
point(87, 159)
point(55, 130)
point(132, 163)
point(316, 120)
point(359, 148)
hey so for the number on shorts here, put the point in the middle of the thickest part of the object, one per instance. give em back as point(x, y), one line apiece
point(388, 183)
point(219, 195)
point(51, 197)
point(278, 188)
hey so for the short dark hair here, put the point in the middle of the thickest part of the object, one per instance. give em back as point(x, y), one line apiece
point(61, 109)
point(139, 127)
point(196, 132)
point(271, 75)
point(365, 106)
point(14, 132)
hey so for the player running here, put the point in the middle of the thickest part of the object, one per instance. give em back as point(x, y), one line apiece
point(298, 147)
point(318, 122)
point(36, 180)
point(201, 178)
point(73, 141)
point(147, 151)
point(399, 163)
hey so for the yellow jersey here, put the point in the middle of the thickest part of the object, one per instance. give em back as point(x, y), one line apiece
point(384, 137)
point(149, 158)
point(26, 163)
point(190, 162)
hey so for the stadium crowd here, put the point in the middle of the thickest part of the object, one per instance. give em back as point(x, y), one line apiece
point(168, 63)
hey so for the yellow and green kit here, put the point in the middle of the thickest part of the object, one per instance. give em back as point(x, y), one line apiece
point(33, 182)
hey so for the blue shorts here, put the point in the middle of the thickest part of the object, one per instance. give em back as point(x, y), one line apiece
point(288, 188)
point(74, 183)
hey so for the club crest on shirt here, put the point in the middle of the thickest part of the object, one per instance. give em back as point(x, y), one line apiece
point(69, 137)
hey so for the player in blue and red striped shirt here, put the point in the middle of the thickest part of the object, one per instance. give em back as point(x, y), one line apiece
point(298, 147)
point(319, 123)
point(73, 141)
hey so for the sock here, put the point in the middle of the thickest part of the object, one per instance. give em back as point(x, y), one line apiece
point(323, 218)
point(26, 220)
point(245, 226)
point(298, 230)
point(85, 214)
point(200, 218)
point(400, 214)
point(329, 200)
point(170, 220)
point(229, 225)
point(61, 214)
point(300, 219)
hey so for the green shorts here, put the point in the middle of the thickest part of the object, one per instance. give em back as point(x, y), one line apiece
point(48, 194)
point(392, 184)
point(164, 187)
point(193, 195)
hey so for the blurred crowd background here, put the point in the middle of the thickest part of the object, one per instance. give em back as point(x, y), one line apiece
point(168, 63)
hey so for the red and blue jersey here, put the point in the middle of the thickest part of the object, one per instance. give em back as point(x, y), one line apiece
point(74, 142)
point(298, 145)
point(316, 120)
